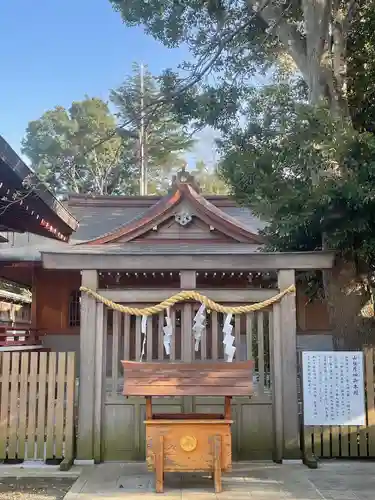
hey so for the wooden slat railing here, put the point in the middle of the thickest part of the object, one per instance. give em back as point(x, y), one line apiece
point(37, 405)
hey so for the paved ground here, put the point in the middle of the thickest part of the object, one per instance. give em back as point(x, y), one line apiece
point(250, 481)
point(34, 488)
point(31, 482)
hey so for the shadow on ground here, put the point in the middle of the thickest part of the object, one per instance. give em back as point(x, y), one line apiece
point(34, 488)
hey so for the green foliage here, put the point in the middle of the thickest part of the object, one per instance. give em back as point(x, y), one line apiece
point(296, 165)
point(312, 177)
point(226, 38)
point(68, 150)
point(361, 67)
point(79, 151)
point(165, 138)
point(202, 25)
point(209, 179)
point(236, 40)
point(309, 170)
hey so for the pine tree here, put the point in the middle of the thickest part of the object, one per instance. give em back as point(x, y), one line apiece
point(165, 140)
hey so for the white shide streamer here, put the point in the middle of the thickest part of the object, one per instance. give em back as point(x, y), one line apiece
point(199, 324)
point(229, 348)
point(168, 332)
point(144, 333)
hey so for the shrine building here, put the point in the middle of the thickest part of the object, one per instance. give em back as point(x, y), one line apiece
point(138, 251)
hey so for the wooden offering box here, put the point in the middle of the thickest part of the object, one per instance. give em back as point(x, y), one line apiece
point(188, 442)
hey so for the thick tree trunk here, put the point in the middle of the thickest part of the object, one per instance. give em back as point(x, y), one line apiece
point(319, 54)
point(345, 298)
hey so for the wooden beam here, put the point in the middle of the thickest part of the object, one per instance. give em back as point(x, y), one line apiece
point(157, 295)
point(102, 259)
point(86, 408)
point(288, 325)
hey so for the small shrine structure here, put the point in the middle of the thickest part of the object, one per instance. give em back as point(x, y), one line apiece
point(100, 295)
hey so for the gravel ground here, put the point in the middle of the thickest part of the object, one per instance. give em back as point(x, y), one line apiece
point(34, 488)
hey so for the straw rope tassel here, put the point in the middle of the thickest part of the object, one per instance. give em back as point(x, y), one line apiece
point(188, 295)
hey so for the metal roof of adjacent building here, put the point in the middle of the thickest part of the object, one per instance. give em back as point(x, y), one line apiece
point(26, 203)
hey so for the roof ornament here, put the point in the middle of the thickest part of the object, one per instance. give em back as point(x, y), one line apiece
point(183, 218)
point(184, 177)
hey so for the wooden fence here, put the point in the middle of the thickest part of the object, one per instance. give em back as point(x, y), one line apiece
point(37, 405)
point(347, 441)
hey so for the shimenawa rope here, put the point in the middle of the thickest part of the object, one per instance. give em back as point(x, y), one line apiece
point(188, 295)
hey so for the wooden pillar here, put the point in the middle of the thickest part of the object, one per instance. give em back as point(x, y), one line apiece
point(288, 327)
point(277, 384)
point(86, 408)
point(34, 310)
point(100, 367)
point(187, 282)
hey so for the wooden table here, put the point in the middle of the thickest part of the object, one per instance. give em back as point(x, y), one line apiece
point(188, 442)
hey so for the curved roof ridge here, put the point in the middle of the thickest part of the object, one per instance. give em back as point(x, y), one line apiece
point(217, 212)
point(184, 186)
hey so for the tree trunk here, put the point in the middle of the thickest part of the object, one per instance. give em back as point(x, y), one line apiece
point(346, 297)
point(320, 55)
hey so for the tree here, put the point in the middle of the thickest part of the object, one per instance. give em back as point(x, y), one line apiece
point(67, 152)
point(238, 39)
point(312, 177)
point(327, 49)
point(209, 179)
point(361, 67)
point(164, 138)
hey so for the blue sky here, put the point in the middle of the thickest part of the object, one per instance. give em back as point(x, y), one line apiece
point(55, 51)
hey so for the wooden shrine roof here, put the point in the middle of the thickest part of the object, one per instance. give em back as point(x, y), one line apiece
point(101, 215)
point(115, 233)
point(26, 205)
point(183, 190)
point(119, 222)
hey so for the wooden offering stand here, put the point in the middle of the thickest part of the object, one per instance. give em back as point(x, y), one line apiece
point(188, 442)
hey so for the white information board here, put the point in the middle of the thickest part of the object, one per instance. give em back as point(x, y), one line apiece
point(333, 388)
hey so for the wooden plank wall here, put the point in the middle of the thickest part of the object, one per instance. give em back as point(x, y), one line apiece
point(37, 405)
point(347, 441)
